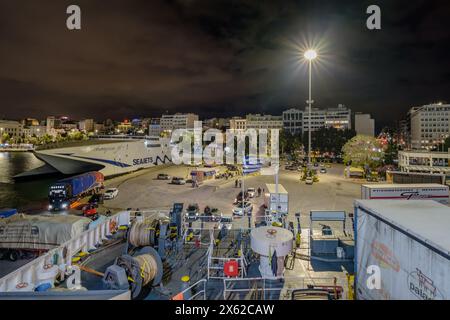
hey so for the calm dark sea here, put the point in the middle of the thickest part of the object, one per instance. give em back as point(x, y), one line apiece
point(26, 195)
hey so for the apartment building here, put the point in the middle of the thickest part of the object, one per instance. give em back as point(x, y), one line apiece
point(429, 125)
point(364, 124)
point(13, 128)
point(258, 121)
point(237, 123)
point(293, 121)
point(171, 122)
point(297, 121)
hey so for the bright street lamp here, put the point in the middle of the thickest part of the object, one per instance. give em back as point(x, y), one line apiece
point(310, 55)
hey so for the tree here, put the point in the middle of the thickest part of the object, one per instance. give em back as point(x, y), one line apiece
point(443, 147)
point(5, 137)
point(363, 151)
point(289, 144)
point(328, 140)
point(391, 153)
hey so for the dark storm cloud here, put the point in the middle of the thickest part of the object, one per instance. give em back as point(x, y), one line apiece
point(219, 57)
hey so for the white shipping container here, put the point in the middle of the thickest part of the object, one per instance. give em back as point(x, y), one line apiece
point(404, 247)
point(272, 198)
point(426, 191)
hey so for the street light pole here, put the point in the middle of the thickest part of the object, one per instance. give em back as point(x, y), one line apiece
point(309, 114)
point(310, 55)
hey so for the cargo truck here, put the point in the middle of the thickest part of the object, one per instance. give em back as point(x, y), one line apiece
point(425, 191)
point(402, 250)
point(63, 193)
point(21, 234)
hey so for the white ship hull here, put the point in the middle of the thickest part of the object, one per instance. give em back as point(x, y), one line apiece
point(110, 158)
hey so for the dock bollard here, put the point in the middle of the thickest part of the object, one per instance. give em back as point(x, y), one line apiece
point(184, 285)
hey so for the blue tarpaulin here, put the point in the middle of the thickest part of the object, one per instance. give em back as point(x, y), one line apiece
point(5, 213)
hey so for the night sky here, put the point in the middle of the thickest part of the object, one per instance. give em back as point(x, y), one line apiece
point(220, 58)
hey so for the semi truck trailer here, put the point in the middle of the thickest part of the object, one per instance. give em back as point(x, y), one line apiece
point(425, 191)
point(63, 193)
point(402, 250)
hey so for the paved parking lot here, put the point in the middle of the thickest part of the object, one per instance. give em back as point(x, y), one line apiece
point(142, 190)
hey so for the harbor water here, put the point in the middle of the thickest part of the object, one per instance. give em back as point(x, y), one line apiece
point(24, 195)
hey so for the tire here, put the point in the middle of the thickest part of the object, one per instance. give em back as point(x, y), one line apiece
point(13, 255)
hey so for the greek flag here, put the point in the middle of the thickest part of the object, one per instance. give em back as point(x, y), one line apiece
point(251, 166)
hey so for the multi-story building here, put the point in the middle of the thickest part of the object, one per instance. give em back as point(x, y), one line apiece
point(339, 118)
point(53, 124)
point(293, 121)
point(429, 125)
point(124, 127)
point(217, 123)
point(86, 125)
point(171, 122)
point(237, 123)
point(257, 121)
point(364, 124)
point(35, 131)
point(30, 122)
point(13, 128)
point(99, 128)
point(69, 126)
point(154, 127)
point(317, 119)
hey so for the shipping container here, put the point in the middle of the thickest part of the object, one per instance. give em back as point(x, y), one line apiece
point(274, 198)
point(426, 191)
point(402, 250)
point(63, 192)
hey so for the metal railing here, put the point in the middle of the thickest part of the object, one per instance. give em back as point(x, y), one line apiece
point(197, 294)
point(216, 265)
point(265, 289)
point(63, 254)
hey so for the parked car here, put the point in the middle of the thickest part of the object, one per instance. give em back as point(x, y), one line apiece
point(316, 164)
point(309, 180)
point(211, 214)
point(239, 197)
point(323, 170)
point(178, 180)
point(246, 210)
point(90, 211)
point(192, 211)
point(163, 176)
point(251, 192)
point(111, 193)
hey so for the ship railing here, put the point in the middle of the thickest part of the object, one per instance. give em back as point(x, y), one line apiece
point(281, 288)
point(29, 274)
point(149, 213)
point(193, 288)
point(216, 265)
point(197, 235)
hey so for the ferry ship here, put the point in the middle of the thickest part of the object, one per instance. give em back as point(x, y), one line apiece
point(111, 156)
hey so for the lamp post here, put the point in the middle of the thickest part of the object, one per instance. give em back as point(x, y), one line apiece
point(310, 55)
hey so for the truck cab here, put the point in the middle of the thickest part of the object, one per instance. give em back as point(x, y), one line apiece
point(57, 197)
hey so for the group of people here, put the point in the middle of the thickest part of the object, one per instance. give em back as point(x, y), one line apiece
point(238, 183)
